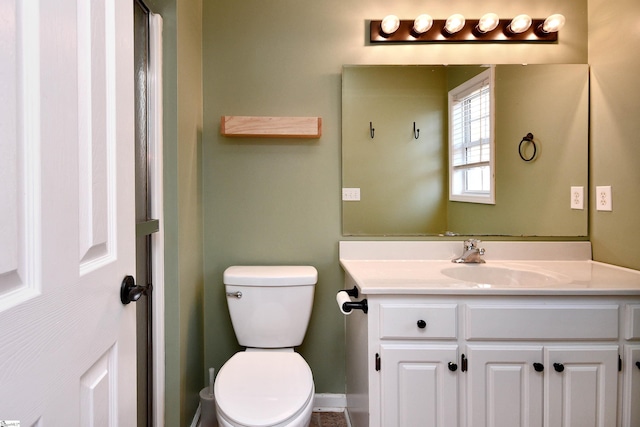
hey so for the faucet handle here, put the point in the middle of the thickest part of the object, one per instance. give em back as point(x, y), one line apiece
point(471, 244)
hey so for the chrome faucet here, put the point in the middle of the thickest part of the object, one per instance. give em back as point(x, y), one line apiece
point(472, 253)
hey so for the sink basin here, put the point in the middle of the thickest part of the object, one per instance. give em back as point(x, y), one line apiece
point(489, 276)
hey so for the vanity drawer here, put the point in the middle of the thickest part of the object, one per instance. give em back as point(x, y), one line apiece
point(406, 321)
point(633, 322)
point(526, 322)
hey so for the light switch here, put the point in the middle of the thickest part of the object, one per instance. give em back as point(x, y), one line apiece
point(351, 194)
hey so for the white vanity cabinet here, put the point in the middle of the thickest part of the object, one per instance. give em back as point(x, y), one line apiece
point(419, 382)
point(499, 361)
point(538, 336)
point(631, 394)
point(502, 386)
point(565, 375)
point(631, 367)
point(505, 387)
point(418, 387)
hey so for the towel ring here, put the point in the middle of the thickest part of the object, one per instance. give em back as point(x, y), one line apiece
point(527, 138)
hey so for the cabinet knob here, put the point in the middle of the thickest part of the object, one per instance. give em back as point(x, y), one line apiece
point(422, 324)
point(638, 365)
point(539, 367)
point(559, 367)
point(454, 367)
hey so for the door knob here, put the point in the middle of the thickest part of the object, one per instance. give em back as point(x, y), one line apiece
point(539, 367)
point(638, 365)
point(129, 291)
point(452, 366)
point(559, 367)
point(422, 324)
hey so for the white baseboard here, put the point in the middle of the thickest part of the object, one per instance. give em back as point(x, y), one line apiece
point(329, 402)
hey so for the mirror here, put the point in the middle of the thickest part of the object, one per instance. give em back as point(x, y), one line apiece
point(402, 176)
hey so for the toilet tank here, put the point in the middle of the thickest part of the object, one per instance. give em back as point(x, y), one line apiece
point(270, 306)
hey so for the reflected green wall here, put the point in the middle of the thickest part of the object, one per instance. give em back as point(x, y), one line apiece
point(402, 179)
point(532, 198)
point(278, 201)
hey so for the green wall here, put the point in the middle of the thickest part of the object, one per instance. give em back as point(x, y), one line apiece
point(182, 104)
point(278, 201)
point(615, 128)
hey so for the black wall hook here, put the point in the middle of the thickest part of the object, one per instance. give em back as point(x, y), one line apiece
point(371, 130)
point(527, 138)
point(416, 132)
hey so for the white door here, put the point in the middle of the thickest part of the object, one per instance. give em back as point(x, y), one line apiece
point(631, 393)
point(504, 387)
point(582, 386)
point(67, 343)
point(419, 385)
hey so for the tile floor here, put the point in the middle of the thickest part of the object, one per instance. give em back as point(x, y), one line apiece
point(328, 419)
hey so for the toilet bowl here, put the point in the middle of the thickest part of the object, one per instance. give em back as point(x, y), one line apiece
point(264, 388)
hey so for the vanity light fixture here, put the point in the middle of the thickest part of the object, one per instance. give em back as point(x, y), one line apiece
point(389, 25)
point(454, 23)
point(488, 22)
point(520, 24)
point(553, 24)
point(488, 29)
point(422, 24)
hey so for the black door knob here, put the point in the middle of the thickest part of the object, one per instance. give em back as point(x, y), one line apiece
point(129, 291)
point(638, 365)
point(539, 367)
point(559, 367)
point(452, 367)
point(422, 324)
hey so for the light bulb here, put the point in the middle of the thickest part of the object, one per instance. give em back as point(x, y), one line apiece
point(553, 23)
point(520, 24)
point(454, 23)
point(422, 24)
point(488, 22)
point(390, 24)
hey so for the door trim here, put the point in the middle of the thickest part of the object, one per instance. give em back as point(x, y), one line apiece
point(157, 210)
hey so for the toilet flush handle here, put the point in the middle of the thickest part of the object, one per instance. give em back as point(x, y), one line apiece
point(235, 294)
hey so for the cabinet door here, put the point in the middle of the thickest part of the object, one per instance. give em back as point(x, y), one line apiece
point(582, 386)
point(503, 387)
point(418, 387)
point(631, 395)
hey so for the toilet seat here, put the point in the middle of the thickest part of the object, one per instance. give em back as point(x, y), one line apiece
point(263, 388)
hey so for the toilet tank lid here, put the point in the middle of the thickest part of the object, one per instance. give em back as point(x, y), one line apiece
point(270, 275)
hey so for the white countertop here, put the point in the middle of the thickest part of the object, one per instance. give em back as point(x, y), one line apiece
point(392, 268)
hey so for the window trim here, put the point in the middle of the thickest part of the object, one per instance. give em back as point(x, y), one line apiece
point(465, 89)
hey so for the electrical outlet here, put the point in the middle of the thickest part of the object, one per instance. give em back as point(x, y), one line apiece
point(577, 197)
point(603, 198)
point(351, 194)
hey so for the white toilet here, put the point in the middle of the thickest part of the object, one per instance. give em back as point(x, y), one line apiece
point(268, 384)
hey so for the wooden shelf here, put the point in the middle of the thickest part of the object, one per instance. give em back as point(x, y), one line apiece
point(271, 127)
